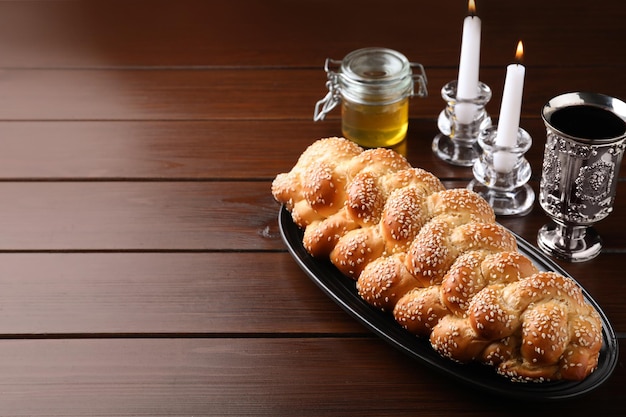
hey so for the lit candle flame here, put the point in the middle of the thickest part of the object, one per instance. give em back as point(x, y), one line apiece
point(519, 53)
point(471, 7)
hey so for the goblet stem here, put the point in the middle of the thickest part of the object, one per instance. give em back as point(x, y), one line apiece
point(570, 242)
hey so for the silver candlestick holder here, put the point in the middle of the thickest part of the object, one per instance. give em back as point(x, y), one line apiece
point(501, 174)
point(584, 148)
point(460, 123)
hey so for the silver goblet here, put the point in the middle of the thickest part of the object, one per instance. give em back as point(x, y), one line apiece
point(583, 152)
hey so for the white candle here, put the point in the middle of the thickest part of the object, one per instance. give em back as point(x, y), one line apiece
point(510, 111)
point(467, 81)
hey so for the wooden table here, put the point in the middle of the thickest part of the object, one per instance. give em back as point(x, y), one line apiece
point(141, 267)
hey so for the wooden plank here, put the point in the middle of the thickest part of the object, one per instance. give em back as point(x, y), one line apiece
point(180, 150)
point(193, 149)
point(138, 216)
point(244, 149)
point(191, 216)
point(261, 377)
point(163, 293)
point(219, 294)
point(253, 33)
point(257, 94)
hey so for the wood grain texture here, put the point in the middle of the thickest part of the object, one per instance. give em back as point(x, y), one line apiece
point(253, 94)
point(141, 267)
point(138, 216)
point(279, 33)
point(166, 150)
point(210, 150)
point(235, 377)
point(230, 294)
point(164, 293)
point(175, 216)
point(197, 150)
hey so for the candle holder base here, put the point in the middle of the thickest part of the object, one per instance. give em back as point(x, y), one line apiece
point(460, 123)
point(569, 243)
point(516, 202)
point(501, 174)
point(455, 152)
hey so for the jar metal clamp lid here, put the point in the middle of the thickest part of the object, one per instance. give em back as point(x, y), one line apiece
point(371, 76)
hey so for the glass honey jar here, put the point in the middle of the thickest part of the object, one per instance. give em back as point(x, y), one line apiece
point(373, 86)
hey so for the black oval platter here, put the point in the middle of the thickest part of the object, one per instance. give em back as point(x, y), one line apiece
point(342, 290)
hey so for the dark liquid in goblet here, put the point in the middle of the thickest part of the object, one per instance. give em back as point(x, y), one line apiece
point(583, 186)
point(588, 122)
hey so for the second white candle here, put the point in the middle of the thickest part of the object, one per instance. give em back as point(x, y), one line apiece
point(510, 112)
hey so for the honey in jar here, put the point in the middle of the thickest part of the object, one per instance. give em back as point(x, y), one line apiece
point(373, 86)
point(375, 125)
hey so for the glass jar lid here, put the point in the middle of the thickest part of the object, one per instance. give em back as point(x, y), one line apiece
point(375, 74)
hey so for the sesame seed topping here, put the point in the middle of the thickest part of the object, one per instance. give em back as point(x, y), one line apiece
point(438, 260)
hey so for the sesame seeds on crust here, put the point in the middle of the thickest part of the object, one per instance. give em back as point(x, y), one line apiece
point(463, 203)
point(355, 250)
point(403, 216)
point(384, 281)
point(365, 200)
point(437, 261)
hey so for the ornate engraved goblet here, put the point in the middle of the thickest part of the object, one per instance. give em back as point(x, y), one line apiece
point(584, 148)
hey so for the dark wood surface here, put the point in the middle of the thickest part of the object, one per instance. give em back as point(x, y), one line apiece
point(141, 267)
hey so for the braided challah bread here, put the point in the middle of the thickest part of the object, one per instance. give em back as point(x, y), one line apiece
point(438, 262)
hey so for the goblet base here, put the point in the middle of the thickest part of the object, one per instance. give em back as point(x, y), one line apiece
point(569, 243)
point(515, 202)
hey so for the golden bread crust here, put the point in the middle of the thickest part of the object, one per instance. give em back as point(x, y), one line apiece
point(439, 263)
